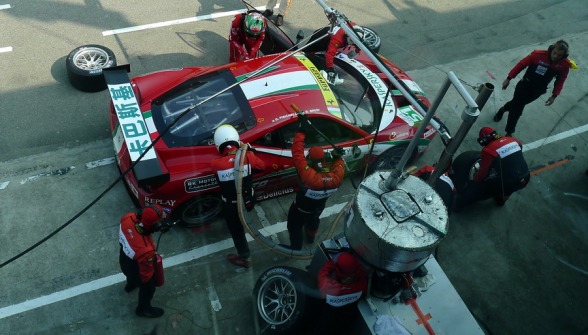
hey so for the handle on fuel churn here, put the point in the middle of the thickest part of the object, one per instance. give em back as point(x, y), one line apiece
point(299, 112)
point(239, 169)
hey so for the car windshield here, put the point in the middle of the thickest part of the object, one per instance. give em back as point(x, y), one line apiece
point(358, 101)
point(198, 125)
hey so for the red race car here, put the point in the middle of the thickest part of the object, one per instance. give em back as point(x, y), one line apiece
point(176, 172)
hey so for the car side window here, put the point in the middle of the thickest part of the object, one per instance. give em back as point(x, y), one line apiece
point(335, 133)
point(269, 140)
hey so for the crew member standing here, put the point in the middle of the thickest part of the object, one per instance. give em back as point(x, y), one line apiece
point(226, 139)
point(282, 10)
point(247, 34)
point(503, 170)
point(138, 259)
point(317, 182)
point(342, 281)
point(542, 66)
point(338, 40)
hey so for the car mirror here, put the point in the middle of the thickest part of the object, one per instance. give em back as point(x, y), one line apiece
point(299, 36)
point(355, 150)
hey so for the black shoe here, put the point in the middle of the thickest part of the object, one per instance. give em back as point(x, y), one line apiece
point(151, 312)
point(268, 13)
point(499, 114)
point(130, 287)
point(279, 20)
point(508, 134)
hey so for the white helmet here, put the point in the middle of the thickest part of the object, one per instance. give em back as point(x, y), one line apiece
point(225, 133)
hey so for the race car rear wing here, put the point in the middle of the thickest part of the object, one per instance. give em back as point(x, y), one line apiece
point(146, 166)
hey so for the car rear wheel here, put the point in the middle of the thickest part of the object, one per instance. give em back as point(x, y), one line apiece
point(199, 211)
point(282, 300)
point(84, 66)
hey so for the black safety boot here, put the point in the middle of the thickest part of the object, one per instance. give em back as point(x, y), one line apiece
point(268, 13)
point(499, 114)
point(150, 312)
point(130, 287)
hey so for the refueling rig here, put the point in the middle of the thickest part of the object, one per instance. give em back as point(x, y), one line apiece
point(393, 224)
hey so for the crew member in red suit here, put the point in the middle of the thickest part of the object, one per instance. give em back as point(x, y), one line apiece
point(247, 34)
point(226, 139)
point(503, 169)
point(542, 66)
point(342, 281)
point(138, 258)
point(337, 41)
point(318, 181)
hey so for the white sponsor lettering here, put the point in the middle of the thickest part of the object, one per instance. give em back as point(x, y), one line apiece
point(342, 300)
point(160, 201)
point(319, 194)
point(131, 121)
point(507, 149)
point(229, 174)
point(126, 247)
point(541, 70)
point(276, 193)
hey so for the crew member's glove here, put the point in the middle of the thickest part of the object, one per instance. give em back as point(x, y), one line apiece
point(303, 122)
point(337, 152)
point(331, 75)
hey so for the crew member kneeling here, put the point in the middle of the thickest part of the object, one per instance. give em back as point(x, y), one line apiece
point(342, 281)
point(503, 169)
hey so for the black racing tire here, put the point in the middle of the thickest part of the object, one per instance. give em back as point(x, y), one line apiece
point(389, 159)
point(84, 66)
point(199, 211)
point(463, 169)
point(284, 300)
point(372, 40)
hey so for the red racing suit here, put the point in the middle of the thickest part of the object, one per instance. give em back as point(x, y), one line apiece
point(540, 71)
point(503, 168)
point(224, 170)
point(243, 46)
point(505, 156)
point(137, 246)
point(338, 40)
point(339, 294)
point(315, 187)
point(313, 190)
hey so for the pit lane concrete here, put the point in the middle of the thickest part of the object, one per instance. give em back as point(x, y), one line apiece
point(520, 269)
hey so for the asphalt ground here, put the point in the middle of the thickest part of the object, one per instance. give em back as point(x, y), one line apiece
point(521, 269)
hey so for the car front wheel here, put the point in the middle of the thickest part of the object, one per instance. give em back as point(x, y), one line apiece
point(199, 211)
point(371, 40)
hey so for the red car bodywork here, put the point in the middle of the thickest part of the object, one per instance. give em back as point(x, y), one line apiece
point(186, 183)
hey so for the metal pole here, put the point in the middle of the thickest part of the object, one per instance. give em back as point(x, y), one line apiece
point(469, 116)
point(395, 177)
point(342, 23)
